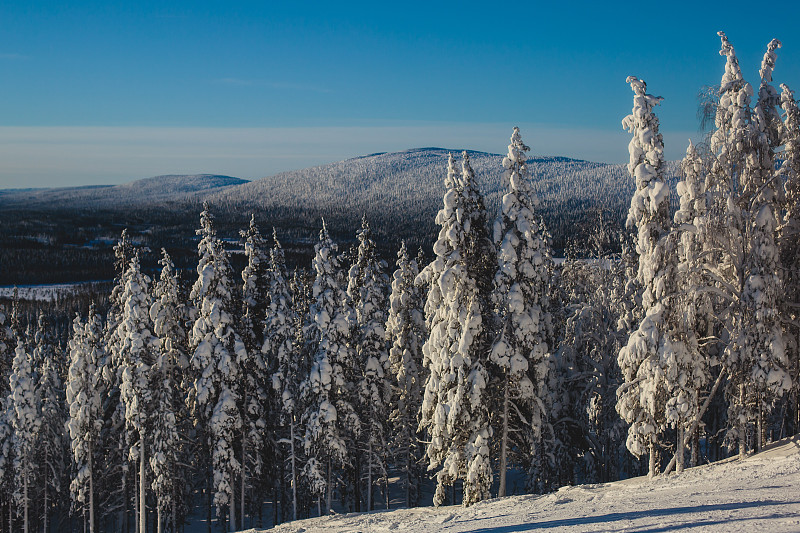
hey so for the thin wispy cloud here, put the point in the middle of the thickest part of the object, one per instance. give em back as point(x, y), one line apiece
point(289, 86)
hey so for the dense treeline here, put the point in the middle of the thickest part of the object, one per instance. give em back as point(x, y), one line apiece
point(342, 387)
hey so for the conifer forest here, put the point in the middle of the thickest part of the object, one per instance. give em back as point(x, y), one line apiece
point(474, 367)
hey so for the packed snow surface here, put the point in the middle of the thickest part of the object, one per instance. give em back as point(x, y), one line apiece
point(761, 493)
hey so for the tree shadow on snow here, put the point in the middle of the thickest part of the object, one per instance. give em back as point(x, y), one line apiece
point(613, 517)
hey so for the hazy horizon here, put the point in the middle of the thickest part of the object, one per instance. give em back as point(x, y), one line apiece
point(38, 157)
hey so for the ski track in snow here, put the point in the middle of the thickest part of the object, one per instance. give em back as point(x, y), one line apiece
point(762, 493)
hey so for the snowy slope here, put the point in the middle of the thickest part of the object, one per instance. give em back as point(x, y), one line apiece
point(761, 493)
point(413, 180)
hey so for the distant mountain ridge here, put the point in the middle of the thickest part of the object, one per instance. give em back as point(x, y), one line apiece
point(139, 192)
point(400, 192)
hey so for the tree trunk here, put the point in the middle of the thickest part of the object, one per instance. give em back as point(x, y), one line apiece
point(680, 449)
point(174, 517)
point(329, 489)
point(760, 428)
point(124, 510)
point(208, 498)
point(651, 471)
point(408, 474)
point(142, 487)
point(25, 496)
point(369, 477)
point(159, 520)
point(742, 426)
point(294, 472)
point(44, 516)
point(501, 491)
point(91, 492)
point(244, 469)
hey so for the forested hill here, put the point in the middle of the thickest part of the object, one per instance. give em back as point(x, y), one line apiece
point(399, 192)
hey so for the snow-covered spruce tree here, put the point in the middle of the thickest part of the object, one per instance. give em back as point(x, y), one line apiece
point(455, 407)
point(25, 404)
point(137, 348)
point(762, 333)
point(366, 288)
point(51, 443)
point(689, 313)
point(789, 235)
point(167, 409)
point(641, 398)
point(405, 330)
point(216, 354)
point(520, 353)
point(740, 233)
point(255, 383)
point(85, 392)
point(330, 419)
point(112, 470)
point(284, 358)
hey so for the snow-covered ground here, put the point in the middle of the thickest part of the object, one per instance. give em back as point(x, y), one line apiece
point(49, 292)
point(761, 493)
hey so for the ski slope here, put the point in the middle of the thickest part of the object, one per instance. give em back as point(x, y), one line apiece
point(761, 493)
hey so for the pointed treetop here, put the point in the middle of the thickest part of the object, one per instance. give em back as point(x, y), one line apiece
point(768, 63)
point(206, 221)
point(516, 150)
point(467, 174)
point(733, 73)
point(275, 240)
point(452, 173)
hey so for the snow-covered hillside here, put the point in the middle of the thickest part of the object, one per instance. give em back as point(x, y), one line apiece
point(761, 493)
point(392, 188)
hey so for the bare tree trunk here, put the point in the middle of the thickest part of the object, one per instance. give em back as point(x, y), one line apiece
point(651, 471)
point(159, 520)
point(369, 477)
point(760, 428)
point(294, 472)
point(680, 449)
point(124, 510)
point(329, 489)
point(232, 512)
point(742, 426)
point(44, 516)
point(244, 475)
point(91, 492)
point(142, 487)
point(501, 491)
point(25, 495)
point(208, 498)
point(174, 517)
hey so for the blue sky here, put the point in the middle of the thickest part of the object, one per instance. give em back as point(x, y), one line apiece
point(113, 91)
